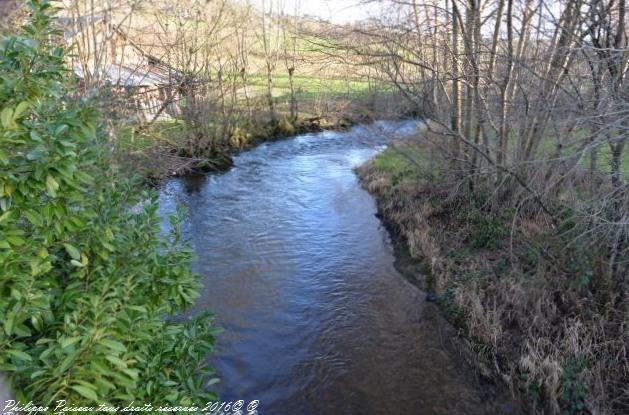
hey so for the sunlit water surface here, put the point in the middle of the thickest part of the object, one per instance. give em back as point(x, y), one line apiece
point(299, 272)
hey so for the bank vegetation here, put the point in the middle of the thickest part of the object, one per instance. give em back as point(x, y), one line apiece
point(185, 83)
point(515, 196)
point(96, 97)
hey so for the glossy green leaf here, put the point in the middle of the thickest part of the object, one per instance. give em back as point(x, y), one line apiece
point(72, 251)
point(52, 186)
point(85, 392)
point(5, 216)
point(6, 117)
point(69, 341)
point(16, 240)
point(113, 345)
point(19, 354)
point(116, 361)
point(20, 110)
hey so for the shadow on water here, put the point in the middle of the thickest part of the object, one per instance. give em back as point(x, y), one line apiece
point(300, 273)
point(193, 183)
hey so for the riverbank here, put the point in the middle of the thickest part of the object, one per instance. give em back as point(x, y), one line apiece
point(160, 152)
point(532, 311)
point(332, 314)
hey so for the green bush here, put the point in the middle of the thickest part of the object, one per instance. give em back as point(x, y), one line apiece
point(285, 127)
point(88, 287)
point(487, 231)
point(573, 392)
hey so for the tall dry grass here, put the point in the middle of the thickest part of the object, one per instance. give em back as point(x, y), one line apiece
point(542, 299)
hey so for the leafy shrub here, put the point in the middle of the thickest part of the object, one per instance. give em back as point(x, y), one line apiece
point(448, 303)
point(239, 138)
point(87, 284)
point(285, 127)
point(573, 391)
point(487, 231)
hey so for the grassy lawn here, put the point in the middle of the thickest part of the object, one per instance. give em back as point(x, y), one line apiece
point(164, 132)
point(548, 148)
point(408, 161)
point(604, 155)
point(308, 86)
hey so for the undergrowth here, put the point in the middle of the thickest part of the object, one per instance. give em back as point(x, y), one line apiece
point(535, 297)
point(89, 285)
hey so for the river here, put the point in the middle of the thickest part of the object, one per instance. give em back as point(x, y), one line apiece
point(300, 274)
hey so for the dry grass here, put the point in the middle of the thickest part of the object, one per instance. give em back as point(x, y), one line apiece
point(560, 343)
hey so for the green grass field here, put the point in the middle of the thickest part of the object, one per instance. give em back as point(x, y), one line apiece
point(548, 148)
point(311, 84)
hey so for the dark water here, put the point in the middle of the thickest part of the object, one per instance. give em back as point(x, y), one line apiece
point(299, 272)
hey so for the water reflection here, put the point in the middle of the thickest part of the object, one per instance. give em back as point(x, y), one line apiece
point(194, 183)
point(299, 272)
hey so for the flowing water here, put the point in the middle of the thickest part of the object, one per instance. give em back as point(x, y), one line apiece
point(300, 273)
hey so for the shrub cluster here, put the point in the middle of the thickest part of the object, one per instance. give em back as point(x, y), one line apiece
point(541, 301)
point(88, 284)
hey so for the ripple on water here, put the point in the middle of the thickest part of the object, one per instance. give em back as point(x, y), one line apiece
point(299, 272)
